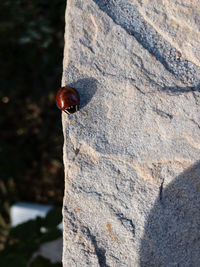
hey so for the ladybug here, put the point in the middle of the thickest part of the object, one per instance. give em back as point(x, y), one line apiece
point(67, 99)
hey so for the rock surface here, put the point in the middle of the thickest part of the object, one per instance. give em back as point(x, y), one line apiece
point(131, 154)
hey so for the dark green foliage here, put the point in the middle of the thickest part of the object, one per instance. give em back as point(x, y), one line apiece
point(24, 239)
point(31, 54)
point(54, 216)
point(42, 262)
point(12, 259)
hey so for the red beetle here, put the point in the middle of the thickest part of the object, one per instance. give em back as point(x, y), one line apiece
point(67, 99)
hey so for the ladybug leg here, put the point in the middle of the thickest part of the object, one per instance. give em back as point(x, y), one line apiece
point(66, 111)
point(71, 109)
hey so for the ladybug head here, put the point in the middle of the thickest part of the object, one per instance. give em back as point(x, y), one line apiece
point(71, 109)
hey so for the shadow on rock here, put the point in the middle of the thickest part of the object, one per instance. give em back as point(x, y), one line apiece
point(127, 16)
point(172, 232)
point(86, 88)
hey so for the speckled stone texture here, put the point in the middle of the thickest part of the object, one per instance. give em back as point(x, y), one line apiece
point(131, 154)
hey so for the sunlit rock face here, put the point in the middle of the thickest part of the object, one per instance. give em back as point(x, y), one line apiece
point(131, 152)
point(178, 22)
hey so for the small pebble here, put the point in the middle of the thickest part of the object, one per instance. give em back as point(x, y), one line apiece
point(77, 210)
point(85, 113)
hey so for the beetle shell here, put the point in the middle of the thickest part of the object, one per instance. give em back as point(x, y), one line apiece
point(67, 99)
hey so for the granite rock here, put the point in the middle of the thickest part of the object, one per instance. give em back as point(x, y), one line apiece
point(131, 153)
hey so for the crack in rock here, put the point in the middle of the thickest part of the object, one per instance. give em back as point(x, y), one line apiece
point(163, 113)
point(161, 190)
point(127, 223)
point(100, 251)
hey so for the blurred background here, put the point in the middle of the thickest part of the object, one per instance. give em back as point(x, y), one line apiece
point(31, 168)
